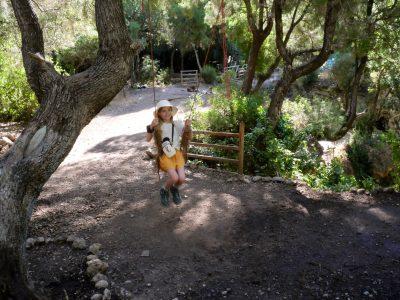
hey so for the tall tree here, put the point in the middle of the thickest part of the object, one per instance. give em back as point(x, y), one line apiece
point(66, 106)
point(291, 72)
point(372, 21)
point(260, 22)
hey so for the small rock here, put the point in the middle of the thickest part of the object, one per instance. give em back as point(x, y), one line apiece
point(360, 191)
point(91, 257)
point(96, 266)
point(366, 293)
point(107, 294)
point(48, 240)
point(278, 179)
point(79, 243)
point(224, 293)
point(60, 239)
point(256, 178)
point(128, 281)
point(145, 253)
point(149, 284)
point(30, 242)
point(71, 238)
point(125, 294)
point(101, 284)
point(245, 179)
point(353, 190)
point(97, 297)
point(95, 248)
point(6, 141)
point(266, 179)
point(40, 240)
point(290, 182)
point(99, 277)
point(325, 295)
point(388, 190)
point(232, 179)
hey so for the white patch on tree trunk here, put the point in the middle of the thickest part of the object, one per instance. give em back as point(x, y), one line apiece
point(36, 140)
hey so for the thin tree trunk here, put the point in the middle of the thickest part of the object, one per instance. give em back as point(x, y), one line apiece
point(67, 105)
point(278, 96)
point(197, 57)
point(182, 60)
point(252, 63)
point(172, 60)
point(351, 112)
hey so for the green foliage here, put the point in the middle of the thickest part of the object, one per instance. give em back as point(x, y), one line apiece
point(330, 176)
point(310, 80)
point(161, 76)
point(375, 158)
point(393, 139)
point(79, 57)
point(343, 69)
point(320, 117)
point(209, 74)
point(17, 100)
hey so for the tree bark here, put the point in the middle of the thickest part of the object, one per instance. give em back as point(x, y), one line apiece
point(197, 57)
point(252, 63)
point(290, 74)
point(259, 34)
point(351, 112)
point(67, 105)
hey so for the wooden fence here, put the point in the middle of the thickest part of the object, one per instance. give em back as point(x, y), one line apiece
point(239, 147)
point(190, 78)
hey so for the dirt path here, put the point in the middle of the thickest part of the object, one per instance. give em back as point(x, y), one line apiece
point(228, 239)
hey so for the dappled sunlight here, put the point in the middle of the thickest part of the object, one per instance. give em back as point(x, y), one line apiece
point(221, 207)
point(382, 215)
point(356, 223)
point(325, 212)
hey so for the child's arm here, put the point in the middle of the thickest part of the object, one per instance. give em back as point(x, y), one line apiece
point(150, 130)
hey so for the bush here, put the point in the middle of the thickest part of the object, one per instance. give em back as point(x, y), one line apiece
point(162, 76)
point(209, 74)
point(321, 117)
point(309, 80)
point(78, 58)
point(374, 156)
point(17, 100)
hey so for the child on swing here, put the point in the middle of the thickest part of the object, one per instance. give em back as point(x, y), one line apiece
point(171, 138)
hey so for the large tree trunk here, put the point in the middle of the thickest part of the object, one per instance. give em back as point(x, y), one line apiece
point(258, 40)
point(278, 96)
point(67, 105)
point(290, 73)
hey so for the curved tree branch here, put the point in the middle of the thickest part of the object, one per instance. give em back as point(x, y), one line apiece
point(40, 76)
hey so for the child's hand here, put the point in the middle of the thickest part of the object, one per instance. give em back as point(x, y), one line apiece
point(188, 123)
point(154, 123)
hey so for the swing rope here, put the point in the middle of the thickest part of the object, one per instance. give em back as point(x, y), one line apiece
point(150, 37)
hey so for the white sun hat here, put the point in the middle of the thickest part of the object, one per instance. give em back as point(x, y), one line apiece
point(166, 103)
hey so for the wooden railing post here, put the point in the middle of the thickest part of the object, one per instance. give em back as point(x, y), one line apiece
point(241, 147)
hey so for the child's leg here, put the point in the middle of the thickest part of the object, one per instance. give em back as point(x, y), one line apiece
point(181, 176)
point(173, 178)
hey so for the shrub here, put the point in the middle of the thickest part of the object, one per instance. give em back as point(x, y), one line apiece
point(209, 74)
point(17, 100)
point(79, 57)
